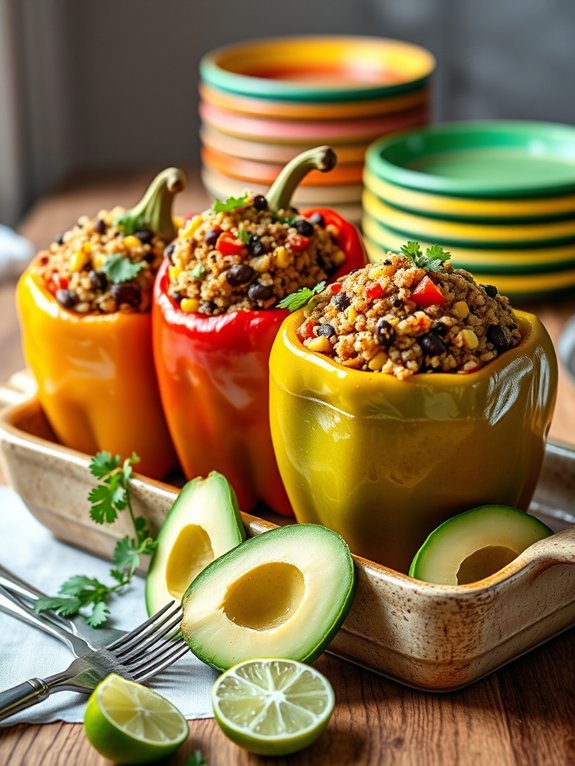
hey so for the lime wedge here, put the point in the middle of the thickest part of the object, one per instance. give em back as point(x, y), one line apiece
point(129, 723)
point(272, 707)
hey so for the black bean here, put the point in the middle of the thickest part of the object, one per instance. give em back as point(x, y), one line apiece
point(303, 227)
point(341, 301)
point(326, 329)
point(439, 328)
point(60, 239)
point(145, 236)
point(239, 274)
point(211, 237)
point(207, 307)
point(491, 290)
point(177, 296)
point(317, 219)
point(260, 202)
point(499, 336)
point(387, 262)
point(150, 257)
point(256, 246)
point(257, 292)
point(100, 226)
point(384, 332)
point(124, 293)
point(169, 251)
point(98, 281)
point(432, 345)
point(66, 298)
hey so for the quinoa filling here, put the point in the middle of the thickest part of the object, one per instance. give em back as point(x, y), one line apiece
point(400, 318)
point(242, 255)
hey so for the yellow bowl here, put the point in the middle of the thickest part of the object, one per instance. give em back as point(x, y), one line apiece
point(318, 68)
point(457, 233)
point(443, 206)
point(295, 110)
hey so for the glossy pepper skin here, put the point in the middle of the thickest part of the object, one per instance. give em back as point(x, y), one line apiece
point(95, 372)
point(383, 461)
point(213, 376)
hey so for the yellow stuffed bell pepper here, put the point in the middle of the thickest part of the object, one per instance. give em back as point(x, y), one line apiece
point(84, 307)
point(383, 461)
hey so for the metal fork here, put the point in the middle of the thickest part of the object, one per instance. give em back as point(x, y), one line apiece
point(137, 656)
point(60, 627)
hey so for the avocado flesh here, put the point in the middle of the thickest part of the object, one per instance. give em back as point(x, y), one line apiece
point(475, 544)
point(282, 594)
point(203, 523)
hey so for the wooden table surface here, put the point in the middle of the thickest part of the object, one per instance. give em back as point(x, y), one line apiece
point(524, 714)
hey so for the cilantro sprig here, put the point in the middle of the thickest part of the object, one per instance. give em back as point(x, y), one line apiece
point(434, 259)
point(120, 269)
point(89, 596)
point(231, 203)
point(300, 298)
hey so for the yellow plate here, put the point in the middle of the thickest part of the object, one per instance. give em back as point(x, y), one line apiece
point(460, 207)
point(559, 255)
point(454, 232)
point(294, 110)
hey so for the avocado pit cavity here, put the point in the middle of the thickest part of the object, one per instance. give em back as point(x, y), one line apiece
point(484, 562)
point(191, 552)
point(265, 597)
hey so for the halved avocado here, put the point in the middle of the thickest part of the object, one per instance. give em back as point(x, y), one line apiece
point(475, 544)
point(282, 594)
point(203, 523)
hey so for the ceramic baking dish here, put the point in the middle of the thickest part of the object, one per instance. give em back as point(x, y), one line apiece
point(426, 636)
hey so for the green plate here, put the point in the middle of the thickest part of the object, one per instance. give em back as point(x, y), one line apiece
point(489, 159)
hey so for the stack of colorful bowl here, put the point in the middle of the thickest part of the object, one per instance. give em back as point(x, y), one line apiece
point(499, 195)
point(263, 102)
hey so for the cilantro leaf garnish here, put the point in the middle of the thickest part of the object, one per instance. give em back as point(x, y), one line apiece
point(120, 269)
point(129, 223)
point(433, 260)
point(297, 300)
point(243, 236)
point(89, 596)
point(231, 203)
point(198, 271)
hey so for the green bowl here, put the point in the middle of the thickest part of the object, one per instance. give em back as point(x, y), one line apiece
point(480, 160)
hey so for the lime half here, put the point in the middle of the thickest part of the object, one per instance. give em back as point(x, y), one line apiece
point(272, 707)
point(129, 723)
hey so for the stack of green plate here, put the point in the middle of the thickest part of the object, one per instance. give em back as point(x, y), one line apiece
point(499, 195)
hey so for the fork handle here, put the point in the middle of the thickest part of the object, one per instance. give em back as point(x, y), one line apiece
point(22, 696)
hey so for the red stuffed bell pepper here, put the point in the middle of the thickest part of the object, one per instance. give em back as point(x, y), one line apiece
point(215, 319)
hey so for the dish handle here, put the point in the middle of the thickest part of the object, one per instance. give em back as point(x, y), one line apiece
point(555, 549)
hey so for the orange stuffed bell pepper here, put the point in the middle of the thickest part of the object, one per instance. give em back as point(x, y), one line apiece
point(216, 315)
point(84, 307)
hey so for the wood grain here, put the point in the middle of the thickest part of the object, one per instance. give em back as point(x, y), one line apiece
point(524, 715)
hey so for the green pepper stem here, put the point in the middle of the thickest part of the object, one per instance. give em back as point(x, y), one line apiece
point(322, 158)
point(154, 210)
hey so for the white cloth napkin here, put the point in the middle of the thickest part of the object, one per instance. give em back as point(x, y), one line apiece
point(30, 551)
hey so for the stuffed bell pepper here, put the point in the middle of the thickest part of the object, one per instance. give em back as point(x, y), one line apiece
point(216, 315)
point(403, 394)
point(85, 314)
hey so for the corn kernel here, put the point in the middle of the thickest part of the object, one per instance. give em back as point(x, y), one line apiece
point(87, 248)
point(378, 273)
point(283, 257)
point(131, 241)
point(469, 339)
point(378, 361)
point(192, 225)
point(351, 314)
point(189, 305)
point(321, 344)
point(338, 257)
point(460, 309)
point(78, 260)
point(178, 221)
point(174, 272)
point(262, 263)
point(98, 262)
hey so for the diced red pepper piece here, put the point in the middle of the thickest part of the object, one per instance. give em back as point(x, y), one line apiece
point(374, 291)
point(336, 288)
point(297, 243)
point(59, 282)
point(308, 330)
point(227, 244)
point(427, 294)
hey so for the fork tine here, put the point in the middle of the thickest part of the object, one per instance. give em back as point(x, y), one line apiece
point(131, 651)
point(160, 665)
point(138, 662)
point(146, 628)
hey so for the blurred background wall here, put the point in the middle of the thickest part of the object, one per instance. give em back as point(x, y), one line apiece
point(113, 83)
